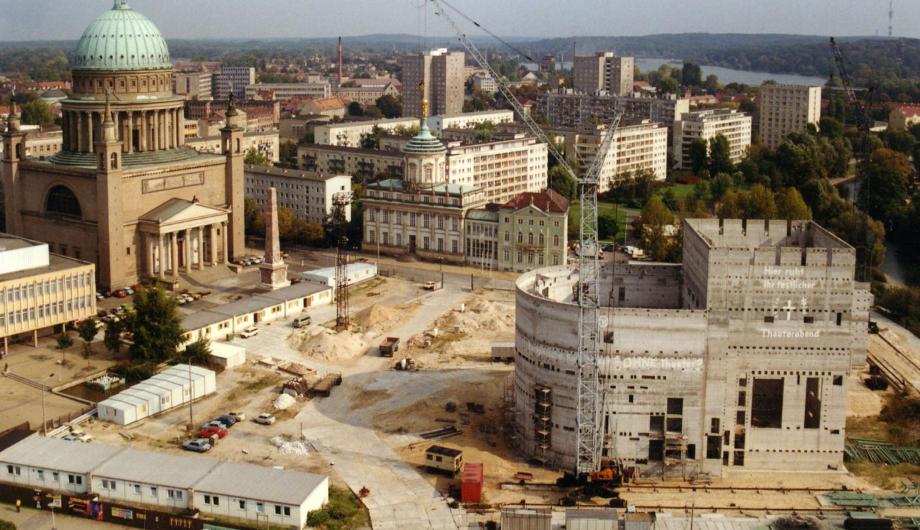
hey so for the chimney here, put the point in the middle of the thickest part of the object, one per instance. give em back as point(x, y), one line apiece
point(340, 60)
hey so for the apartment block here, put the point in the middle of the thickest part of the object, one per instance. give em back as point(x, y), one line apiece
point(193, 85)
point(42, 291)
point(362, 164)
point(638, 146)
point(501, 169)
point(307, 193)
point(233, 79)
point(785, 109)
point(287, 91)
point(350, 133)
point(569, 109)
point(468, 119)
point(604, 72)
point(707, 124)
point(443, 76)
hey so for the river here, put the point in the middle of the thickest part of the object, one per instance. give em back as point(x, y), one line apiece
point(725, 75)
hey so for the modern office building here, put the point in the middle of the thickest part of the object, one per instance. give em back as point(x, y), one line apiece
point(467, 120)
point(707, 124)
point(287, 91)
point(604, 72)
point(502, 169)
point(350, 133)
point(440, 73)
point(309, 194)
point(233, 79)
point(41, 291)
point(785, 109)
point(194, 85)
point(125, 192)
point(362, 164)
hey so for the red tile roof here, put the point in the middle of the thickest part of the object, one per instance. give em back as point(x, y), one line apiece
point(907, 109)
point(547, 201)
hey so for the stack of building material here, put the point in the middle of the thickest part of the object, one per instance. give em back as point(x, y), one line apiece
point(879, 452)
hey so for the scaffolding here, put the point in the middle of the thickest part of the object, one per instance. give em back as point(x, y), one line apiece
point(543, 421)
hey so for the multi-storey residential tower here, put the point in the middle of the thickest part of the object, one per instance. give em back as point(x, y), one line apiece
point(604, 72)
point(785, 109)
point(439, 75)
point(706, 125)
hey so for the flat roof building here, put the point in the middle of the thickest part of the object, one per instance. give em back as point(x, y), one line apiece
point(706, 125)
point(309, 194)
point(440, 72)
point(785, 109)
point(604, 72)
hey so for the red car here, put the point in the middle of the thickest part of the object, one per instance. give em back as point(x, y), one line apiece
point(208, 432)
point(121, 293)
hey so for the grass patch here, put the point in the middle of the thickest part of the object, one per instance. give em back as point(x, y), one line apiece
point(344, 511)
point(620, 212)
point(262, 382)
point(883, 476)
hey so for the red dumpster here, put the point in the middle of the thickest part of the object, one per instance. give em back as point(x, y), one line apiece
point(471, 483)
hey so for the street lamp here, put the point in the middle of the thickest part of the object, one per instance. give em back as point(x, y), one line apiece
point(441, 267)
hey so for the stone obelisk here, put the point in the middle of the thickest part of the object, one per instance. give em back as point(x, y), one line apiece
point(273, 269)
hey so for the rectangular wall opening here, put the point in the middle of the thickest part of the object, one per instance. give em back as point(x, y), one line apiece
point(767, 404)
point(675, 425)
point(655, 450)
point(713, 447)
point(812, 403)
point(676, 406)
point(656, 424)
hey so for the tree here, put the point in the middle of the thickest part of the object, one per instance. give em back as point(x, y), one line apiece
point(155, 326)
point(391, 106)
point(87, 332)
point(791, 206)
point(355, 109)
point(112, 337)
point(720, 185)
point(652, 226)
point(254, 217)
point(64, 341)
point(711, 84)
point(830, 127)
point(885, 187)
point(607, 226)
point(198, 352)
point(254, 157)
point(732, 206)
point(286, 224)
point(371, 111)
point(699, 155)
point(6, 525)
point(562, 183)
point(759, 203)
point(720, 155)
point(37, 112)
point(669, 200)
point(691, 75)
point(288, 154)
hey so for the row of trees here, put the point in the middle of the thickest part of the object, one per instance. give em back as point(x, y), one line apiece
point(290, 228)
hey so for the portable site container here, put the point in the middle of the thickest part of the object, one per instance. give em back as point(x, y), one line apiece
point(172, 392)
point(471, 483)
point(163, 398)
point(152, 400)
point(514, 518)
point(205, 381)
point(445, 459)
point(116, 411)
point(585, 519)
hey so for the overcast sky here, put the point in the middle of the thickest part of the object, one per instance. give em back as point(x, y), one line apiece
point(66, 19)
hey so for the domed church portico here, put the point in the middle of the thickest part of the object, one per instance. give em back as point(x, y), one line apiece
point(146, 204)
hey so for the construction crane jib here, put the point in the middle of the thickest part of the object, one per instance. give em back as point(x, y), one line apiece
point(587, 437)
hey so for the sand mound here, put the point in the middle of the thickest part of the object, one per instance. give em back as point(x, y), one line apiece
point(327, 344)
point(283, 402)
point(377, 317)
point(479, 315)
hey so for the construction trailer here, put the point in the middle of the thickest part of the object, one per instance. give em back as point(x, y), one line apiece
point(589, 519)
point(354, 273)
point(503, 351)
point(525, 518)
point(227, 356)
point(444, 459)
point(170, 388)
point(638, 521)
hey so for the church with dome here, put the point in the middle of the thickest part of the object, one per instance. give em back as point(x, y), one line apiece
point(125, 192)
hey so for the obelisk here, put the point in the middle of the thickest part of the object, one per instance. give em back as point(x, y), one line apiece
point(273, 269)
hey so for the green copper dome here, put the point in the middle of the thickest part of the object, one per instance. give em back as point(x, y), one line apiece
point(424, 142)
point(122, 39)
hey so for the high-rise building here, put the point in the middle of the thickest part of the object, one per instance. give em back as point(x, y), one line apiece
point(235, 78)
point(604, 72)
point(126, 192)
point(707, 124)
point(785, 109)
point(568, 109)
point(441, 72)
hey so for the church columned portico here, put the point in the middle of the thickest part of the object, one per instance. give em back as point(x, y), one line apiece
point(183, 236)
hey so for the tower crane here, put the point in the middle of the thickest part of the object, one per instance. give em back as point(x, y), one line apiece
point(587, 435)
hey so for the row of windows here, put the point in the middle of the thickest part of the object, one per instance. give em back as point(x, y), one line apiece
point(46, 287)
point(40, 474)
point(46, 310)
point(214, 500)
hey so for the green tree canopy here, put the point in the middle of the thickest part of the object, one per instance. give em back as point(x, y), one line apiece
point(563, 183)
point(691, 75)
point(87, 332)
point(759, 203)
point(390, 106)
point(155, 325)
point(720, 156)
point(699, 155)
point(607, 227)
point(791, 206)
point(254, 157)
point(654, 227)
point(886, 180)
point(37, 112)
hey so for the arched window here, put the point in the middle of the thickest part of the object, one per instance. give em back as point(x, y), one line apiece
point(62, 201)
point(114, 164)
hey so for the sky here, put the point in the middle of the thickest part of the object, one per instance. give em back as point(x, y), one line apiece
point(66, 19)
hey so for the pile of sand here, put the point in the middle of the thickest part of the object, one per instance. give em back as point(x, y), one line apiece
point(329, 345)
point(283, 402)
point(378, 317)
point(480, 316)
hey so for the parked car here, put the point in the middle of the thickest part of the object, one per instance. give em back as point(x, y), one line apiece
point(301, 321)
point(227, 420)
point(214, 423)
point(429, 286)
point(121, 293)
point(265, 418)
point(99, 296)
point(129, 290)
point(249, 332)
point(81, 435)
point(201, 445)
point(211, 431)
point(239, 416)
point(70, 438)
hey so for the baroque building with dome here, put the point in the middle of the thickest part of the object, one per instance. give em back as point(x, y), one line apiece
point(125, 192)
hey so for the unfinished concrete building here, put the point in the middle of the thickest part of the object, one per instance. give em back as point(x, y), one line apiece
point(736, 358)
